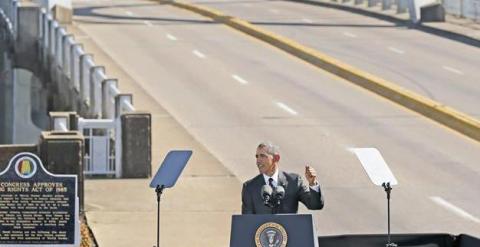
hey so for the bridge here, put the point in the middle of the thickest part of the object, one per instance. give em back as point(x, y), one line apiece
point(218, 77)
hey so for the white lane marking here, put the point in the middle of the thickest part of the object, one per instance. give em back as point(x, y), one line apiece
point(171, 37)
point(129, 13)
point(307, 20)
point(286, 108)
point(396, 50)
point(275, 11)
point(198, 54)
point(458, 211)
point(148, 23)
point(453, 70)
point(239, 79)
point(351, 35)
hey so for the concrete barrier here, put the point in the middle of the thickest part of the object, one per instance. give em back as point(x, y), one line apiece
point(63, 14)
point(432, 13)
point(61, 10)
point(432, 10)
point(63, 153)
point(136, 145)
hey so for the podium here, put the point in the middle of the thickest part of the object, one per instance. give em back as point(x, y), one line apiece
point(273, 230)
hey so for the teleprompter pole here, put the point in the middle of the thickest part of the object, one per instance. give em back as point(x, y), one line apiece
point(166, 177)
point(159, 191)
point(388, 189)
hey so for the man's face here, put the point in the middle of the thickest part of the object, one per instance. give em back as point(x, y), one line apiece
point(265, 161)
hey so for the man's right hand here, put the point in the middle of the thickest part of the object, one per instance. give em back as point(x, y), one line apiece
point(311, 175)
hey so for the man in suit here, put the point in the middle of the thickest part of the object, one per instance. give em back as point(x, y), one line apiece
point(296, 189)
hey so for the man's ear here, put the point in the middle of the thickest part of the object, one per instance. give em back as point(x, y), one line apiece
point(276, 157)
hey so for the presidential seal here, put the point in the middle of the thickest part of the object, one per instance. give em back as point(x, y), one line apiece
point(271, 234)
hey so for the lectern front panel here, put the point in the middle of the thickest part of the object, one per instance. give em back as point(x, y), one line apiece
point(273, 230)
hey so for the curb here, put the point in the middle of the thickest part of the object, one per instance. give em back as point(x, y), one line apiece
point(462, 38)
point(447, 116)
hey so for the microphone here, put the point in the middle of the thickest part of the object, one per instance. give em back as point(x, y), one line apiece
point(266, 193)
point(278, 195)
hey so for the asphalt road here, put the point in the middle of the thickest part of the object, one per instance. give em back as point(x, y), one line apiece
point(231, 92)
point(438, 68)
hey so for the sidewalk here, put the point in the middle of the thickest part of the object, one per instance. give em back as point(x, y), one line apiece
point(460, 29)
point(197, 212)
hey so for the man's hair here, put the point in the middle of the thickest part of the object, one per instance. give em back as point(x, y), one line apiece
point(270, 148)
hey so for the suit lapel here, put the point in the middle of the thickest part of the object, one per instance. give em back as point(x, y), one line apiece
point(260, 208)
point(282, 180)
point(260, 180)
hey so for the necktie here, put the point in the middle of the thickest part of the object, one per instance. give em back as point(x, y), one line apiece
point(270, 182)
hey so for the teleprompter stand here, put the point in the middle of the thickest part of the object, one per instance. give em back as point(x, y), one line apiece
point(159, 191)
point(380, 175)
point(388, 189)
point(166, 177)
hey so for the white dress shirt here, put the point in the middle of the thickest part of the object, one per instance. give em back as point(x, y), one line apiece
point(275, 181)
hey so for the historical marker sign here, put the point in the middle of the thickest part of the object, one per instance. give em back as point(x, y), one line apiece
point(37, 208)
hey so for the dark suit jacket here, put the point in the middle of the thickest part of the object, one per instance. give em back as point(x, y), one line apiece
point(295, 190)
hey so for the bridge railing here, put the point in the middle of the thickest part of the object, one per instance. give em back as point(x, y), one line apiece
point(6, 20)
point(98, 92)
point(469, 9)
point(86, 77)
point(98, 97)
